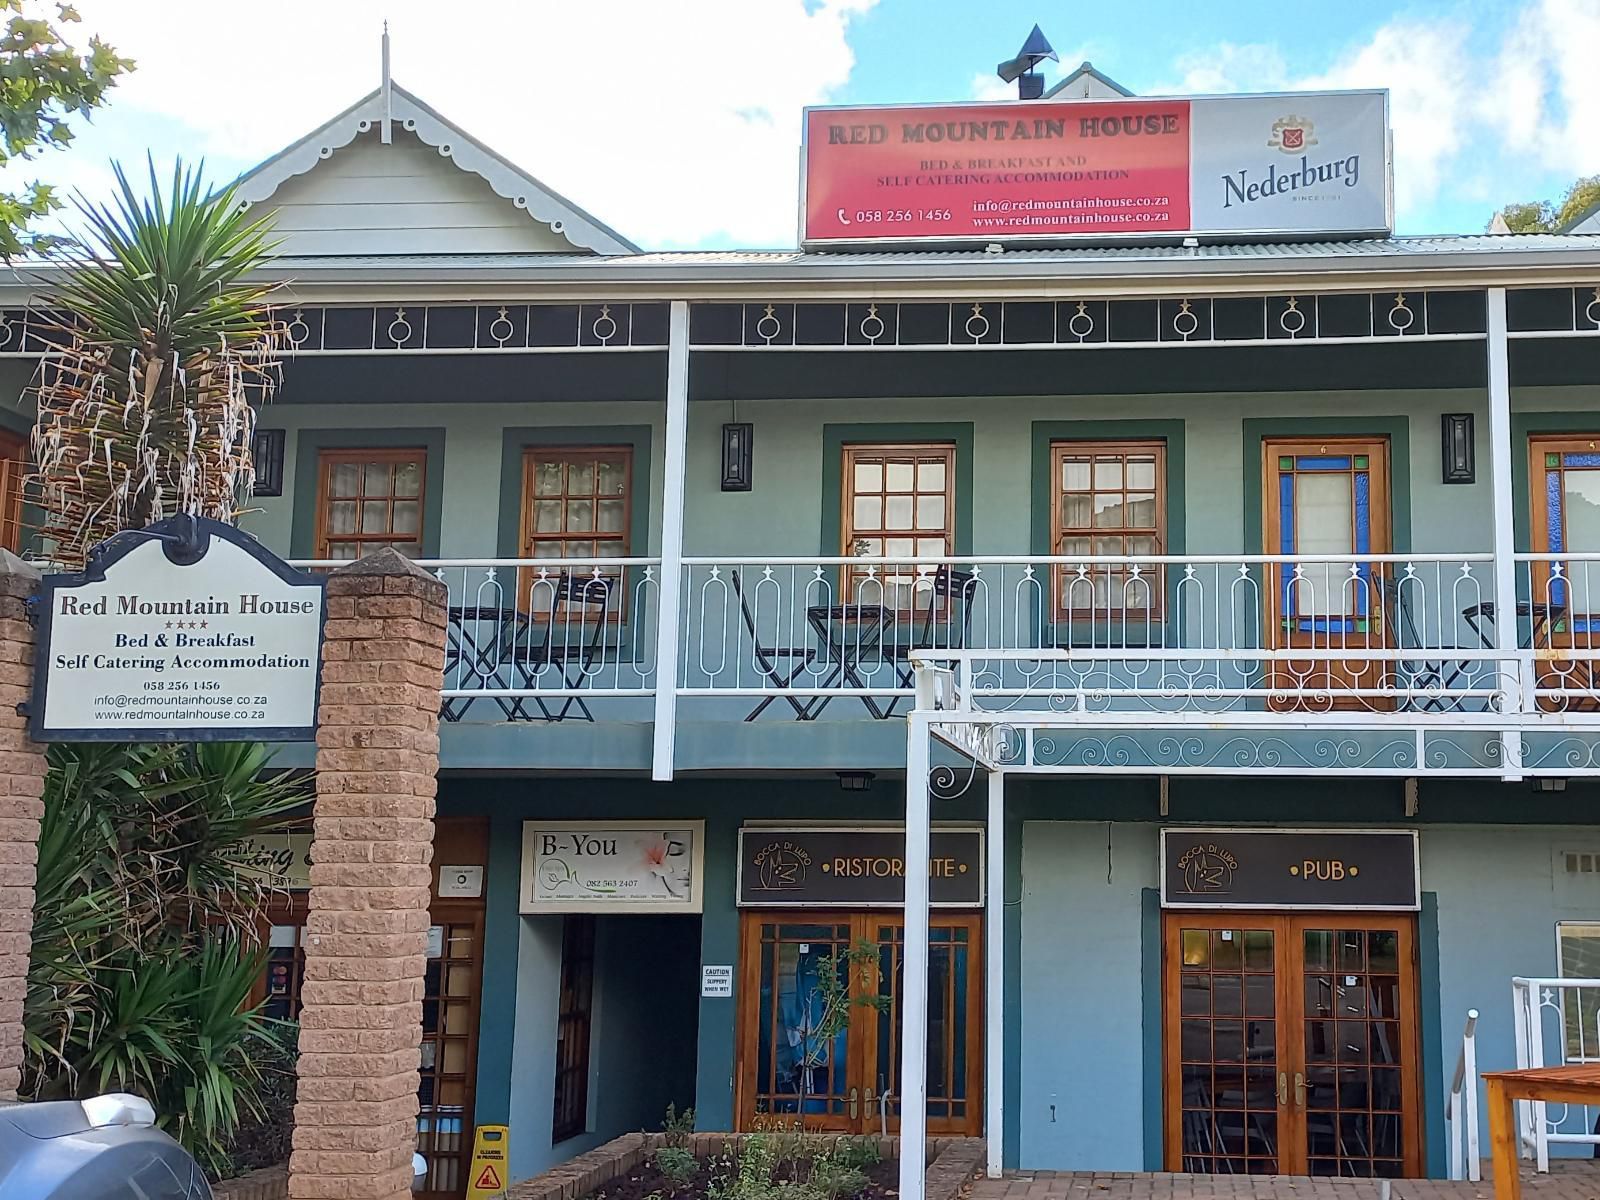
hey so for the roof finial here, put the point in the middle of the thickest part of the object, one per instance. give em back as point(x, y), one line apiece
point(388, 92)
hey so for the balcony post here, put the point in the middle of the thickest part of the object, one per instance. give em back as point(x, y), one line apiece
point(994, 940)
point(1505, 565)
point(672, 487)
point(914, 976)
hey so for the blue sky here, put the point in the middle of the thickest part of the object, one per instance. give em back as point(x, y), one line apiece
point(678, 122)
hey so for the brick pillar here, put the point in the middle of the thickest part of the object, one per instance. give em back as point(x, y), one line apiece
point(22, 766)
point(367, 926)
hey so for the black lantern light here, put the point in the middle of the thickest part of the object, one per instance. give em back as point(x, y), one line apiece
point(1457, 454)
point(737, 437)
point(267, 455)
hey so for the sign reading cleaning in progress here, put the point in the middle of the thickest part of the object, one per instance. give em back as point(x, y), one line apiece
point(1290, 868)
point(186, 631)
point(837, 867)
point(1305, 164)
point(612, 866)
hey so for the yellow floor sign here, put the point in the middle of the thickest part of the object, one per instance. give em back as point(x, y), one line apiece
point(487, 1177)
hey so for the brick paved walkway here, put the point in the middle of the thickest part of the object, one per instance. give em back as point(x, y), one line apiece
point(1575, 1180)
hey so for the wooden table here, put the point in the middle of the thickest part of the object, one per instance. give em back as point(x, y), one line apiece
point(1559, 1085)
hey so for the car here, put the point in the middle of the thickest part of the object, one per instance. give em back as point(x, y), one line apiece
point(103, 1148)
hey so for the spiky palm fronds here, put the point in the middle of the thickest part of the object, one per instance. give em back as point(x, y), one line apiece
point(166, 341)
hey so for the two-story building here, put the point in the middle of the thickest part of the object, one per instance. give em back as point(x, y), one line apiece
point(1260, 563)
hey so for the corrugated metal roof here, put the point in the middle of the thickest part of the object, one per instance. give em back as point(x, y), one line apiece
point(1241, 252)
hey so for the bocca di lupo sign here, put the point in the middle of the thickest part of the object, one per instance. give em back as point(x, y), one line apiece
point(1301, 165)
point(189, 630)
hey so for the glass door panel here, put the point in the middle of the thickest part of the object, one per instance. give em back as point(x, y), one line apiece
point(1358, 1049)
point(1564, 594)
point(451, 982)
point(1222, 1036)
point(798, 1070)
point(1326, 498)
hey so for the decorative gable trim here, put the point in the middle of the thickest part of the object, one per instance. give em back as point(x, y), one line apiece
point(504, 177)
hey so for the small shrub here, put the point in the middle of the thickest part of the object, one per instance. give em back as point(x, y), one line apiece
point(677, 1127)
point(676, 1163)
point(857, 1152)
point(831, 1179)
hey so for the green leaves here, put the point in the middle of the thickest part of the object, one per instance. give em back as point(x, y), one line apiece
point(44, 81)
point(144, 933)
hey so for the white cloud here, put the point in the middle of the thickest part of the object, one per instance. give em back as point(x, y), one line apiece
point(1547, 101)
point(674, 124)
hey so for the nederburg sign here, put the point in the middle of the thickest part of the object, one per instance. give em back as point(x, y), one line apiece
point(186, 631)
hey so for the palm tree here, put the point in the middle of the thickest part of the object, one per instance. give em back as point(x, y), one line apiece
point(166, 340)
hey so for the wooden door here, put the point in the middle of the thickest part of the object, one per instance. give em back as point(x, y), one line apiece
point(1320, 498)
point(1561, 614)
point(453, 981)
point(783, 1070)
point(1291, 1044)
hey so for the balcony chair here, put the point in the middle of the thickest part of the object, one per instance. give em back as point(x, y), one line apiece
point(525, 645)
point(1420, 674)
point(950, 596)
point(768, 657)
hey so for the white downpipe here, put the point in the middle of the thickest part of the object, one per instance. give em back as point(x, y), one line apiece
point(914, 983)
point(994, 940)
point(1469, 1061)
point(672, 488)
point(1513, 686)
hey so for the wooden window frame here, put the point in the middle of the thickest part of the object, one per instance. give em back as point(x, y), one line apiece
point(332, 456)
point(577, 933)
point(527, 538)
point(1540, 444)
point(1060, 450)
point(850, 454)
point(14, 460)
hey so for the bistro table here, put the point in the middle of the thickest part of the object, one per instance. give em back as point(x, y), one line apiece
point(848, 633)
point(1480, 619)
point(1579, 1084)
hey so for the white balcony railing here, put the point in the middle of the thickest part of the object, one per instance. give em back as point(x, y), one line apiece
point(1556, 1022)
point(1205, 634)
point(809, 638)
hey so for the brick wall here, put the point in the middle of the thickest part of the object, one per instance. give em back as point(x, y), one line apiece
point(22, 767)
point(367, 920)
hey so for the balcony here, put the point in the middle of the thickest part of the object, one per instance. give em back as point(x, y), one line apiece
point(1394, 641)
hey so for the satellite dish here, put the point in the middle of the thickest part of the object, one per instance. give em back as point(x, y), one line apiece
point(1034, 51)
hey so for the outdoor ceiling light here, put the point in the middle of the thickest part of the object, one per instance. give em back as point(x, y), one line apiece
point(737, 440)
point(1457, 454)
point(856, 781)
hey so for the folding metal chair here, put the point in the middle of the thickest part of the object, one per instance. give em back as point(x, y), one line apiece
point(768, 657)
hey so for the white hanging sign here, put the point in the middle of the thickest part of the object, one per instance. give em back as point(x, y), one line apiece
point(186, 631)
point(612, 866)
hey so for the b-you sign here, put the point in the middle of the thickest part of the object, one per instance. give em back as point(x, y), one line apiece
point(188, 630)
point(1297, 165)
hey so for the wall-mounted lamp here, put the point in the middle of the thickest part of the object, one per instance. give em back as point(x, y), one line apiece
point(267, 455)
point(856, 781)
point(1457, 453)
point(737, 440)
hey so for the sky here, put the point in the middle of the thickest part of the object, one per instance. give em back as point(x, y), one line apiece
point(677, 122)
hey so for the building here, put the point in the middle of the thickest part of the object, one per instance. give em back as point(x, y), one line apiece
point(1213, 538)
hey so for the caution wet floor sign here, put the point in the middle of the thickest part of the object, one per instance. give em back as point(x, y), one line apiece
point(488, 1174)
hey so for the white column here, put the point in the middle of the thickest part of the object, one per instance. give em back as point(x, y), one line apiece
point(994, 940)
point(914, 981)
point(1505, 567)
point(672, 486)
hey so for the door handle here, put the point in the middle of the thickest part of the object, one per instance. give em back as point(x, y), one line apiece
point(854, 1098)
point(1283, 1089)
point(1300, 1089)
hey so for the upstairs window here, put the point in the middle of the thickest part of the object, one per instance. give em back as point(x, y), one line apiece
point(1110, 500)
point(577, 504)
point(899, 502)
point(369, 499)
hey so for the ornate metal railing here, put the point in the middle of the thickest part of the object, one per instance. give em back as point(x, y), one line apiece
point(1191, 633)
point(1556, 1022)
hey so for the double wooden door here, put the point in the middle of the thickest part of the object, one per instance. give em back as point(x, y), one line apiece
point(1291, 1044)
point(787, 1065)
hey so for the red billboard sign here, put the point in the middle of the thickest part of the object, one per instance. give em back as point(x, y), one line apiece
point(1129, 169)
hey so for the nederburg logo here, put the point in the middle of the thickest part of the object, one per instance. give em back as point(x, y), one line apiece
point(1290, 135)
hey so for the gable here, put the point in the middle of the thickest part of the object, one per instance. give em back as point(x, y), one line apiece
point(389, 175)
point(401, 198)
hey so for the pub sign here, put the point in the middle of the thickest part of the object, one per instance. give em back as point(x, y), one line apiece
point(1290, 869)
point(814, 866)
point(188, 630)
